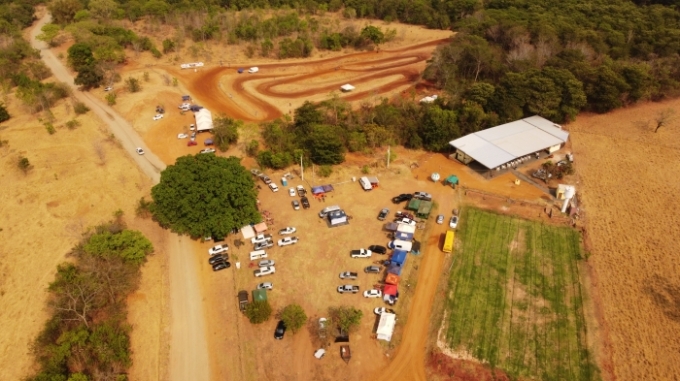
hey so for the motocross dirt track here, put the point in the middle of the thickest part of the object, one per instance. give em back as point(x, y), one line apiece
point(279, 88)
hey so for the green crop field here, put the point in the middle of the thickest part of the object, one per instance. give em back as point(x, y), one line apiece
point(516, 300)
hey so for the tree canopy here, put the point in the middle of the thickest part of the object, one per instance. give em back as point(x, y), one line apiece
point(294, 317)
point(205, 195)
point(258, 311)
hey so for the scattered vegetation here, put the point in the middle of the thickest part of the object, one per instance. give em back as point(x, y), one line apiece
point(294, 317)
point(87, 336)
point(111, 98)
point(225, 132)
point(222, 191)
point(515, 299)
point(24, 164)
point(258, 311)
point(4, 115)
point(50, 128)
point(143, 208)
point(80, 108)
point(133, 85)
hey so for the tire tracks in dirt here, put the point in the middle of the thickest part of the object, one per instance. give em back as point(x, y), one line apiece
point(367, 66)
point(188, 353)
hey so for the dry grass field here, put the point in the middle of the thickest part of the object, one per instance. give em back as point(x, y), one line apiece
point(79, 178)
point(628, 183)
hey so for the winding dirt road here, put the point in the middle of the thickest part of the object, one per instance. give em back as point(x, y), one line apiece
point(188, 352)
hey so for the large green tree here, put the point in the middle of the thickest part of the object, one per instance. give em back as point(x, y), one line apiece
point(205, 195)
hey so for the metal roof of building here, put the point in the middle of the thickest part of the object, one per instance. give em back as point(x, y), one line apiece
point(498, 145)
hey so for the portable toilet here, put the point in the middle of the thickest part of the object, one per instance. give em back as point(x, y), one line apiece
point(284, 182)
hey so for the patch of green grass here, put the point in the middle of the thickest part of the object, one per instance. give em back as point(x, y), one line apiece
point(516, 300)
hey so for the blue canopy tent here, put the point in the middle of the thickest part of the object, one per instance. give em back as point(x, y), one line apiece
point(399, 257)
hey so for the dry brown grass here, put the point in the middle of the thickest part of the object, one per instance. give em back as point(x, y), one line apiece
point(629, 188)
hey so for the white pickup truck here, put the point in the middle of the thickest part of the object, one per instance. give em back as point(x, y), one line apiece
point(261, 238)
point(288, 241)
point(262, 271)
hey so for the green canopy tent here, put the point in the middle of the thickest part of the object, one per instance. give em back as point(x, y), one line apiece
point(453, 180)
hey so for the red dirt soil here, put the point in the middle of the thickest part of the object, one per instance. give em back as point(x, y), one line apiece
point(373, 73)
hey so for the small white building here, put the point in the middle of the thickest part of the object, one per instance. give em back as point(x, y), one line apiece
point(386, 326)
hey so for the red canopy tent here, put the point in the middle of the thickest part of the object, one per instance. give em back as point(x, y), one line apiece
point(392, 279)
point(390, 289)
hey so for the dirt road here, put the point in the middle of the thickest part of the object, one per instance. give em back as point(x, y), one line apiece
point(408, 363)
point(188, 352)
point(148, 163)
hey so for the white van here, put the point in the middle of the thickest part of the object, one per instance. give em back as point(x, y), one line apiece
point(365, 184)
point(258, 254)
point(327, 210)
point(400, 245)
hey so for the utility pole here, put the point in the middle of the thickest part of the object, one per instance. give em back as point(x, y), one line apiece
point(302, 170)
point(388, 157)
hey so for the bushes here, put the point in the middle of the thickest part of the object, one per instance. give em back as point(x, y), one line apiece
point(133, 85)
point(88, 334)
point(80, 108)
point(4, 115)
point(294, 317)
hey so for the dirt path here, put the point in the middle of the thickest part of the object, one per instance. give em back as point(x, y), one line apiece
point(188, 352)
point(128, 137)
point(409, 362)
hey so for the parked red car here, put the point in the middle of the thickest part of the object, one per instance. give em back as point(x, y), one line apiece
point(191, 143)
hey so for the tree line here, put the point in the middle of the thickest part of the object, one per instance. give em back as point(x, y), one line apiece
point(517, 58)
point(87, 336)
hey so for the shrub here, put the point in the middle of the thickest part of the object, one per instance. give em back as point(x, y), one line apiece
point(4, 115)
point(365, 169)
point(50, 128)
point(156, 53)
point(72, 124)
point(111, 98)
point(325, 170)
point(133, 85)
point(253, 148)
point(143, 208)
point(146, 76)
point(24, 164)
point(80, 108)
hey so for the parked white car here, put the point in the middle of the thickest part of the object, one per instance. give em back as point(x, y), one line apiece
point(301, 190)
point(266, 263)
point(360, 253)
point(287, 230)
point(218, 249)
point(208, 150)
point(182, 136)
point(288, 241)
point(440, 219)
point(108, 88)
point(262, 271)
point(273, 187)
point(192, 127)
point(261, 238)
point(372, 293)
point(158, 117)
point(423, 196)
point(291, 192)
point(139, 151)
point(265, 286)
point(406, 221)
point(453, 223)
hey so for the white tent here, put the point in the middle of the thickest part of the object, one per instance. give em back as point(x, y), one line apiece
point(347, 87)
point(204, 120)
point(248, 232)
point(386, 326)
